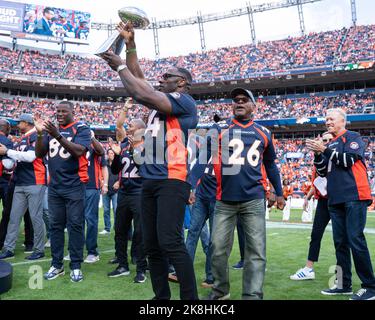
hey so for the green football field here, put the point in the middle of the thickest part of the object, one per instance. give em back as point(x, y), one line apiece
point(287, 246)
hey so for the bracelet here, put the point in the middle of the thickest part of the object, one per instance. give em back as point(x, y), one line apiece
point(59, 137)
point(121, 67)
point(131, 50)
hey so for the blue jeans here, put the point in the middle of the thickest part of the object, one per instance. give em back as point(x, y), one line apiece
point(92, 220)
point(107, 209)
point(201, 211)
point(348, 223)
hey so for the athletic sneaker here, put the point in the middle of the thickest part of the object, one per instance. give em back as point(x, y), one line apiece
point(67, 258)
point(104, 232)
point(363, 294)
point(76, 275)
point(238, 265)
point(48, 244)
point(35, 256)
point(208, 283)
point(118, 272)
point(6, 254)
point(303, 274)
point(53, 273)
point(334, 291)
point(172, 277)
point(140, 277)
point(213, 296)
point(91, 258)
point(113, 261)
point(28, 249)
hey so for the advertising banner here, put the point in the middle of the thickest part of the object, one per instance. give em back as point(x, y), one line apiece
point(11, 16)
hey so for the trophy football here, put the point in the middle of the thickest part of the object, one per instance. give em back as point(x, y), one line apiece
point(115, 42)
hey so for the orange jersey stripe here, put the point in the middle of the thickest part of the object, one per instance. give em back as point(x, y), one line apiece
point(39, 171)
point(176, 151)
point(264, 137)
point(82, 170)
point(360, 177)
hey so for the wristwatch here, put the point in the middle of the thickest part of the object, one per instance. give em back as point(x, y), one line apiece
point(121, 67)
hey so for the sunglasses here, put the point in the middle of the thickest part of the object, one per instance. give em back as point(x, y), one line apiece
point(166, 76)
point(327, 140)
point(244, 99)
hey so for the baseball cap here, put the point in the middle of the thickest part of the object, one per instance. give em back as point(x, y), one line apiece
point(26, 117)
point(243, 91)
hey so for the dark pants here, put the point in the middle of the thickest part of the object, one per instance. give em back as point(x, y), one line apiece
point(128, 209)
point(163, 210)
point(348, 223)
point(92, 220)
point(241, 239)
point(6, 195)
point(321, 220)
point(66, 208)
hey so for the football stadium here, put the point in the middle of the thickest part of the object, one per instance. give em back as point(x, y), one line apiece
point(235, 171)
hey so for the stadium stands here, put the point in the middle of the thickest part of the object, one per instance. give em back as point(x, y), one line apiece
point(312, 50)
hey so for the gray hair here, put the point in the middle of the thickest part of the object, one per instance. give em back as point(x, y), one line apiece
point(341, 112)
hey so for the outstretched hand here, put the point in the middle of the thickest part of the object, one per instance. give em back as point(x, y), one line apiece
point(113, 60)
point(114, 146)
point(126, 31)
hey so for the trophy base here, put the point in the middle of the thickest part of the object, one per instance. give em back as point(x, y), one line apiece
point(114, 43)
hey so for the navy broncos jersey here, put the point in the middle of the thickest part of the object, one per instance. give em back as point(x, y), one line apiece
point(64, 169)
point(244, 149)
point(165, 151)
point(346, 178)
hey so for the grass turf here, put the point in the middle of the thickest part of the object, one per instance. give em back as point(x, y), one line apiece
point(286, 252)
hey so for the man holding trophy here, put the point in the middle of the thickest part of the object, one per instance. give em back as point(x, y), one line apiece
point(165, 190)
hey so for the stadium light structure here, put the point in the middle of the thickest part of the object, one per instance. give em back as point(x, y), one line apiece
point(354, 12)
point(201, 19)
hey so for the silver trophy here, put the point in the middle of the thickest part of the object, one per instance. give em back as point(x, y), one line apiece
point(115, 42)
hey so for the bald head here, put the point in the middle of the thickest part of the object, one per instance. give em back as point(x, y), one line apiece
point(139, 124)
point(4, 126)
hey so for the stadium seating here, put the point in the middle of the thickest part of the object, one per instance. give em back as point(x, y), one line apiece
point(314, 49)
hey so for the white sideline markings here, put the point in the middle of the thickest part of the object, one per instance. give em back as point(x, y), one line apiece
point(46, 260)
point(273, 234)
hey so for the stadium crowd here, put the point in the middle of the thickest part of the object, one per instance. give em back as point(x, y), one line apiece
point(314, 49)
point(268, 107)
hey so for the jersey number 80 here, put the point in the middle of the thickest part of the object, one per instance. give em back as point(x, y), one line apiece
point(56, 148)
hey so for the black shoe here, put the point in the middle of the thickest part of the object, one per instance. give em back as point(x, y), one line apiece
point(334, 291)
point(213, 296)
point(118, 272)
point(140, 277)
point(35, 256)
point(6, 254)
point(113, 261)
point(29, 249)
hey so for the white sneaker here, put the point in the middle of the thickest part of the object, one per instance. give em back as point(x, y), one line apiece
point(65, 230)
point(67, 258)
point(48, 244)
point(303, 274)
point(104, 232)
point(91, 258)
point(76, 275)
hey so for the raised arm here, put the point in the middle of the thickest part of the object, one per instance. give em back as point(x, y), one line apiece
point(138, 89)
point(127, 33)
